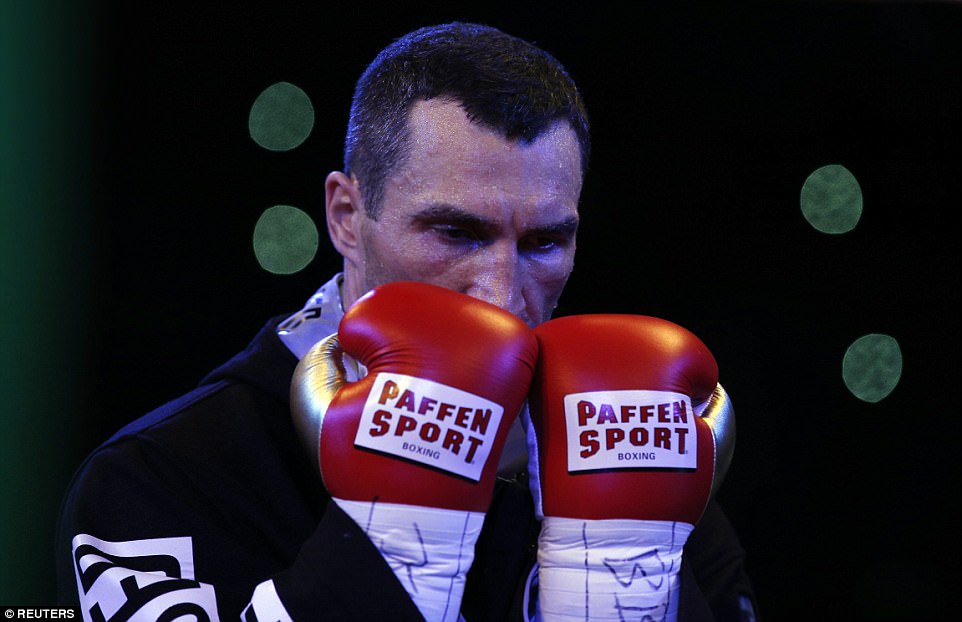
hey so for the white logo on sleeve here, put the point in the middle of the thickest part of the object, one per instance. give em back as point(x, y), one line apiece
point(630, 430)
point(430, 423)
point(140, 581)
point(266, 605)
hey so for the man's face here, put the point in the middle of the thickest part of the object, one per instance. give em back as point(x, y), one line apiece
point(478, 214)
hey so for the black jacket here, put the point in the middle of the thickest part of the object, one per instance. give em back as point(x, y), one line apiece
point(220, 477)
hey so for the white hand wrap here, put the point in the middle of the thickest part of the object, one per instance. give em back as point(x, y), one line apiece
point(615, 569)
point(429, 549)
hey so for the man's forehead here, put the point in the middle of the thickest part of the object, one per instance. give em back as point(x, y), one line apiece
point(457, 170)
point(440, 127)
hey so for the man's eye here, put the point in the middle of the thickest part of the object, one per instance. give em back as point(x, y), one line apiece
point(456, 234)
point(543, 243)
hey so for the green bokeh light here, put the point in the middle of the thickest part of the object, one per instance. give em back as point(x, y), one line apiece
point(832, 199)
point(281, 117)
point(285, 239)
point(872, 366)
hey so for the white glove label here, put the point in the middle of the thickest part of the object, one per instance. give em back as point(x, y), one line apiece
point(428, 422)
point(630, 430)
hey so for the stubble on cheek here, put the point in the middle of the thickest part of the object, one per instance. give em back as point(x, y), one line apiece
point(394, 255)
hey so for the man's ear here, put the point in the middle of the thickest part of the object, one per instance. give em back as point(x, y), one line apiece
point(345, 211)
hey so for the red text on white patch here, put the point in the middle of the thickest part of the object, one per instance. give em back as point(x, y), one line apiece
point(429, 422)
point(630, 429)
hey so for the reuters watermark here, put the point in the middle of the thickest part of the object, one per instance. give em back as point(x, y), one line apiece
point(39, 613)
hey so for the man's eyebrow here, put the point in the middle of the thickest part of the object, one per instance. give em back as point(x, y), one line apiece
point(568, 226)
point(445, 212)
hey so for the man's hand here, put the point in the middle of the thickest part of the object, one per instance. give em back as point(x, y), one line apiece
point(410, 451)
point(624, 411)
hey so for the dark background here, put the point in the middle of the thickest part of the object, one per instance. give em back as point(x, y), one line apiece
point(707, 119)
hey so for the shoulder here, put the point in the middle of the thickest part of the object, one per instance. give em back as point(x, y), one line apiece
point(240, 405)
point(218, 464)
point(207, 476)
point(172, 415)
point(182, 438)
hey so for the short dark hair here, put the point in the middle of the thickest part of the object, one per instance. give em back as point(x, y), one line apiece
point(502, 82)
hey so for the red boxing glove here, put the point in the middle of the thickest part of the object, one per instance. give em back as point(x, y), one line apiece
point(624, 416)
point(411, 450)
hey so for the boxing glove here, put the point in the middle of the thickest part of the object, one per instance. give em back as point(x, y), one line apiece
point(629, 430)
point(410, 449)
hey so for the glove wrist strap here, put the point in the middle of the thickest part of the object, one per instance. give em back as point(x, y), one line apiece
point(429, 550)
point(615, 569)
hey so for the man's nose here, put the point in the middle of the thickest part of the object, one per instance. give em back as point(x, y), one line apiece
point(497, 280)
